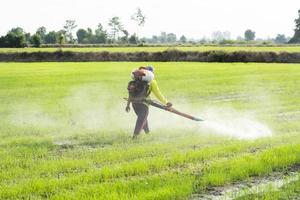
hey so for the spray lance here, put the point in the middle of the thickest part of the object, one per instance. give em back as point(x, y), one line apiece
point(163, 107)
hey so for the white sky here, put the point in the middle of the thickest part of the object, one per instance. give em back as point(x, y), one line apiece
point(193, 18)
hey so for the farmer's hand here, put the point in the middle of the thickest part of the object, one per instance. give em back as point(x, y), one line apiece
point(127, 108)
point(169, 104)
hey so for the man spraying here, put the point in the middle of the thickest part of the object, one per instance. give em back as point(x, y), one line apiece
point(139, 90)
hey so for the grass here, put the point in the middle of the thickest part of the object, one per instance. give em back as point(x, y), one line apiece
point(249, 165)
point(155, 49)
point(65, 134)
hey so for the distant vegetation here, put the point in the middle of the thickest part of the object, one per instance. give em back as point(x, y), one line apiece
point(169, 55)
point(117, 34)
point(156, 48)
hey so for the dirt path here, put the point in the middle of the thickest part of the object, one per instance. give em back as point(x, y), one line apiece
point(257, 184)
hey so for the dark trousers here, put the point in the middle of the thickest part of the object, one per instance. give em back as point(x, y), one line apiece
point(141, 110)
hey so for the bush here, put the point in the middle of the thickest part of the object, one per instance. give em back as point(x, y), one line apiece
point(36, 40)
point(169, 55)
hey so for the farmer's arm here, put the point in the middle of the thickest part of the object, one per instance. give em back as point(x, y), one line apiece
point(128, 101)
point(128, 104)
point(157, 93)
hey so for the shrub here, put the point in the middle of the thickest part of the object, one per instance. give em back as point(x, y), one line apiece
point(169, 55)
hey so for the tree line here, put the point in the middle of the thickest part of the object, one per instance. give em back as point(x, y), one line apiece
point(117, 34)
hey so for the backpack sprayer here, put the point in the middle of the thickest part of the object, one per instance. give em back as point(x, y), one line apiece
point(163, 107)
point(140, 88)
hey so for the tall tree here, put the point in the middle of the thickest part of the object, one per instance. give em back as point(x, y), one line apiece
point(124, 38)
point(27, 38)
point(163, 37)
point(69, 27)
point(100, 34)
point(133, 39)
point(2, 41)
point(82, 36)
point(171, 38)
point(296, 37)
point(61, 37)
point(155, 39)
point(42, 31)
point(115, 26)
point(99, 29)
point(249, 35)
point(36, 40)
point(183, 39)
point(17, 31)
point(90, 36)
point(280, 39)
point(15, 38)
point(139, 18)
point(51, 37)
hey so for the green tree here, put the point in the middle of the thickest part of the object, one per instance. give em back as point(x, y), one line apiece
point(90, 36)
point(183, 39)
point(36, 40)
point(27, 38)
point(280, 39)
point(99, 29)
point(115, 26)
point(154, 39)
point(82, 36)
point(100, 34)
point(2, 41)
point(42, 31)
point(171, 38)
point(296, 37)
point(124, 38)
point(101, 38)
point(15, 38)
point(61, 37)
point(133, 39)
point(249, 35)
point(17, 31)
point(163, 37)
point(15, 41)
point(51, 37)
point(69, 27)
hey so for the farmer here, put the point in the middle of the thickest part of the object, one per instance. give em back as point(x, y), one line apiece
point(139, 90)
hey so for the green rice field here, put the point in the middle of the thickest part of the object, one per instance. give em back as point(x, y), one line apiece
point(65, 133)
